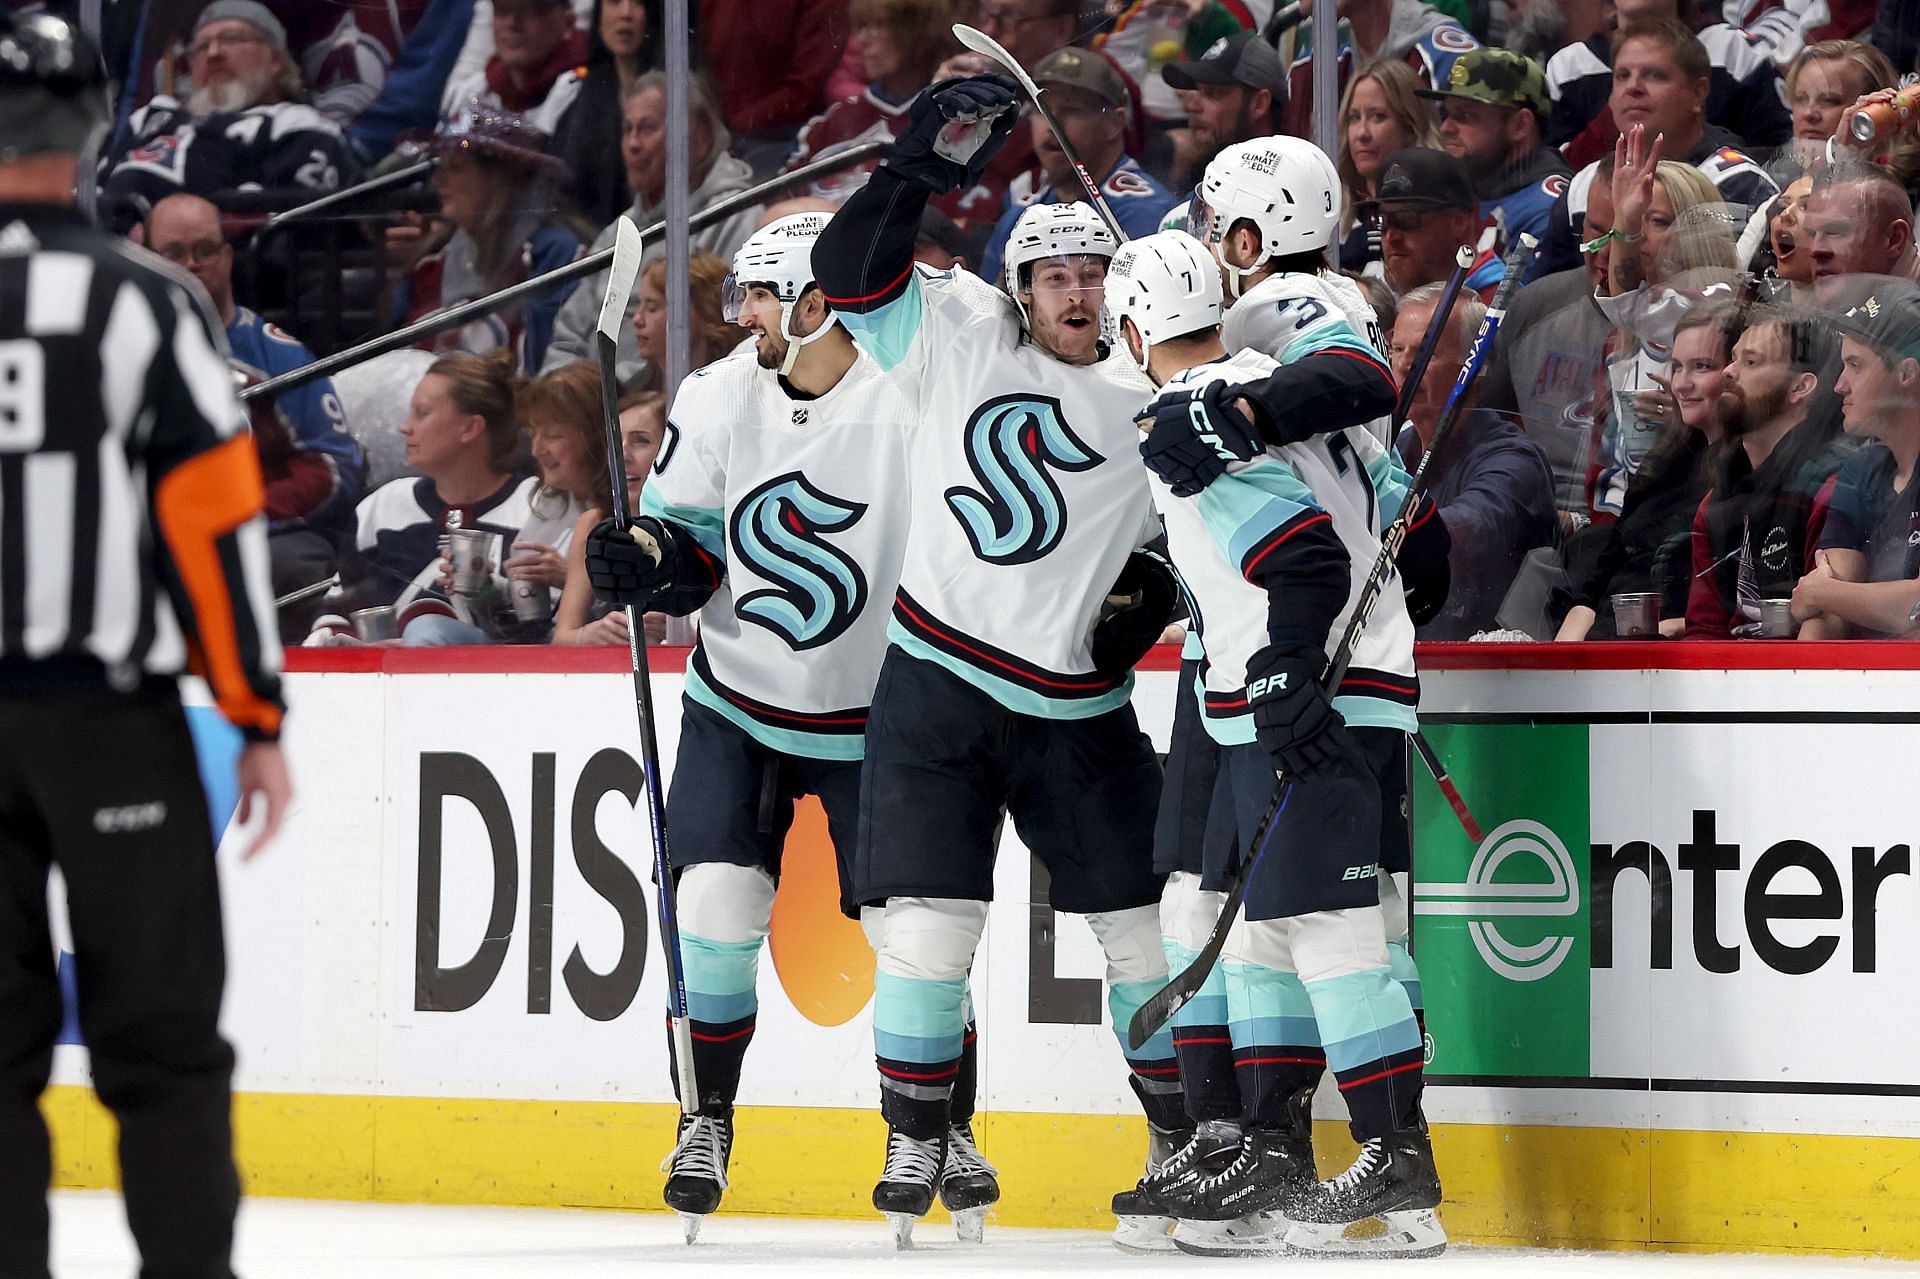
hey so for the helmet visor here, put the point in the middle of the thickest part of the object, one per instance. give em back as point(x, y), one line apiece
point(1200, 216)
point(733, 296)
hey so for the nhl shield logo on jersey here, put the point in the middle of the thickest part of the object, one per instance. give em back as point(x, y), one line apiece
point(1020, 515)
point(777, 532)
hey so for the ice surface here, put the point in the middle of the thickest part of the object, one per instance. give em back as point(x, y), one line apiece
point(302, 1239)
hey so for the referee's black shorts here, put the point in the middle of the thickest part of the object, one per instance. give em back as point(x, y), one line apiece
point(944, 759)
point(105, 787)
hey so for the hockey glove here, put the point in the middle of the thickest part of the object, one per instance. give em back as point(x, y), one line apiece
point(1136, 612)
point(953, 129)
point(1292, 716)
point(1426, 573)
point(632, 565)
point(1196, 432)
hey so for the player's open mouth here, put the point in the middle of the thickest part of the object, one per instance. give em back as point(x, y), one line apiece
point(1077, 321)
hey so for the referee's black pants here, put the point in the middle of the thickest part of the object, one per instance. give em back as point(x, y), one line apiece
point(105, 787)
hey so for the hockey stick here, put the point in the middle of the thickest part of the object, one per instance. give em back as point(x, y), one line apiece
point(987, 47)
point(1169, 999)
point(1442, 314)
point(455, 316)
point(1458, 802)
point(628, 245)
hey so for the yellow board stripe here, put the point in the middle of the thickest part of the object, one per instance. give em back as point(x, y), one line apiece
point(1556, 1187)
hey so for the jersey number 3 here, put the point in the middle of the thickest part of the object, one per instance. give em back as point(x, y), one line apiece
point(23, 377)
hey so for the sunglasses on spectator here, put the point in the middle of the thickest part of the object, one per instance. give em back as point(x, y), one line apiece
point(192, 254)
point(223, 40)
point(1402, 219)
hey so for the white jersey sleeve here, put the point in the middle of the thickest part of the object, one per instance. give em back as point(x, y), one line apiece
point(1293, 315)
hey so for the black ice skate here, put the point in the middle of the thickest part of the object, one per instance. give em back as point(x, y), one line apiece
point(1393, 1181)
point(1146, 1212)
point(906, 1187)
point(1273, 1168)
point(1257, 1233)
point(697, 1168)
point(968, 1185)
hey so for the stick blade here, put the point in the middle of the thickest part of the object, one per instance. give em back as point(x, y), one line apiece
point(987, 47)
point(627, 248)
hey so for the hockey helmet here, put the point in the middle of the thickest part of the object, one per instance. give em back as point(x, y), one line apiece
point(53, 87)
point(1167, 284)
point(1285, 186)
point(779, 257)
point(1045, 231)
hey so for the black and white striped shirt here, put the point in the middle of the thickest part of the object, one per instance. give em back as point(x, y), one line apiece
point(130, 495)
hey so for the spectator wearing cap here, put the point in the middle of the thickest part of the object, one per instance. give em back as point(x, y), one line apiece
point(623, 43)
point(1426, 209)
point(1490, 482)
point(1866, 574)
point(1089, 97)
point(314, 471)
point(1402, 30)
point(535, 70)
point(1493, 112)
point(643, 146)
point(243, 124)
point(1233, 93)
point(497, 227)
point(1743, 89)
point(1859, 220)
point(1149, 34)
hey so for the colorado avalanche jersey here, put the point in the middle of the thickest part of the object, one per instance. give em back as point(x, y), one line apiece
point(1293, 314)
point(283, 144)
point(1028, 494)
point(801, 506)
point(1219, 538)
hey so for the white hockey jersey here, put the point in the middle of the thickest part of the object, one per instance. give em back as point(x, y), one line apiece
point(803, 504)
point(1028, 494)
point(1291, 315)
point(1218, 538)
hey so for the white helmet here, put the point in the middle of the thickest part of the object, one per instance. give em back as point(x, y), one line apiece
point(778, 256)
point(1045, 231)
point(1286, 186)
point(1167, 284)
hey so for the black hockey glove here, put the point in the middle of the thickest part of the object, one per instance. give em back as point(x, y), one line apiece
point(630, 566)
point(1426, 573)
point(1195, 434)
point(1138, 607)
point(953, 129)
point(1292, 716)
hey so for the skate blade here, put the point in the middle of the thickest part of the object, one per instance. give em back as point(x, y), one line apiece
point(901, 1224)
point(1260, 1235)
point(1143, 1235)
point(970, 1224)
point(1411, 1233)
point(690, 1223)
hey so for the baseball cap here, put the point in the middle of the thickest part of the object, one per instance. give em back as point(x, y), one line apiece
point(251, 12)
point(1243, 59)
point(1883, 312)
point(1079, 69)
point(1423, 176)
point(1498, 77)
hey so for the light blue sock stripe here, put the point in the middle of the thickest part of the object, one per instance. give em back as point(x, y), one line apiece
point(721, 978)
point(1264, 1001)
point(918, 1020)
point(1363, 1017)
point(1209, 1006)
point(1123, 1000)
point(1406, 972)
point(1295, 1031)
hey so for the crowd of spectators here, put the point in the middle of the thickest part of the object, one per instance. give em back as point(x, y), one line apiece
point(1707, 393)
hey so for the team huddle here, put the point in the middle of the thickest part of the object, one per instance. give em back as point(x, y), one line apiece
point(926, 555)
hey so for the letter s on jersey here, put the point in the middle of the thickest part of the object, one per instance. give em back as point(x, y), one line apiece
point(1018, 515)
point(777, 532)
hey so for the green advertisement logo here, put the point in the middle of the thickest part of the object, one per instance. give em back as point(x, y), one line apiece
point(1501, 928)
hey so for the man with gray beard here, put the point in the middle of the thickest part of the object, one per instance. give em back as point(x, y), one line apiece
point(243, 124)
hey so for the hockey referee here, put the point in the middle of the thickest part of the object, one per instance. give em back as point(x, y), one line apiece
point(131, 548)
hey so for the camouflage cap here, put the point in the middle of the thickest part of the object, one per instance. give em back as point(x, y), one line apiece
point(1498, 77)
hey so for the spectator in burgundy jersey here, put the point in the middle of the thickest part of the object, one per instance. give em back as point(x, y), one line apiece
point(770, 60)
point(535, 68)
point(900, 43)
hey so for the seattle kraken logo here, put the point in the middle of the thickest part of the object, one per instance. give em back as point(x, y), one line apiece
point(1011, 440)
point(776, 531)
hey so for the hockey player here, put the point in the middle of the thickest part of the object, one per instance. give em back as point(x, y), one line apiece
point(1275, 553)
point(1024, 602)
point(1268, 211)
point(779, 512)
